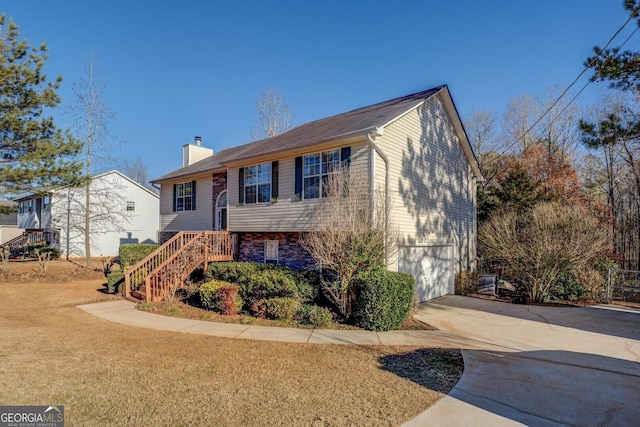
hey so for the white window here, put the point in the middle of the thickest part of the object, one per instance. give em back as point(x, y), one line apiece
point(257, 183)
point(131, 206)
point(271, 251)
point(316, 171)
point(46, 202)
point(184, 196)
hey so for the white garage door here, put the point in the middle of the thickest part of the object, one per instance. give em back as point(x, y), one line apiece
point(432, 266)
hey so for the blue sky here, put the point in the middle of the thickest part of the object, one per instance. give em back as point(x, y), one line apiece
point(174, 70)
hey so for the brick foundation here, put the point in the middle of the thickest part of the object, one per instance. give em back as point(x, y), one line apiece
point(290, 252)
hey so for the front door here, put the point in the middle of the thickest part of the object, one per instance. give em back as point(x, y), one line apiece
point(221, 211)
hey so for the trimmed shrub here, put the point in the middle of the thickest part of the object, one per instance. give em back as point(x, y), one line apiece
point(280, 308)
point(260, 281)
point(32, 251)
point(115, 282)
point(316, 316)
point(220, 296)
point(383, 299)
point(131, 253)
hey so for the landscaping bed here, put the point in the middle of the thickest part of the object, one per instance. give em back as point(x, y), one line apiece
point(273, 295)
point(180, 309)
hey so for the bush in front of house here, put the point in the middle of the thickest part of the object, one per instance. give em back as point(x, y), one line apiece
point(33, 250)
point(316, 316)
point(131, 253)
point(260, 281)
point(383, 299)
point(277, 308)
point(220, 296)
point(115, 282)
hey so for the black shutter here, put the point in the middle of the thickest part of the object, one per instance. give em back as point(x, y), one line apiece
point(345, 156)
point(274, 181)
point(241, 185)
point(174, 196)
point(298, 195)
point(193, 195)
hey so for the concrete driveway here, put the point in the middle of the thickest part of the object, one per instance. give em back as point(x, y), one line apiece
point(538, 366)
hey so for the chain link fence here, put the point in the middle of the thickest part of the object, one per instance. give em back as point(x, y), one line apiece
point(623, 285)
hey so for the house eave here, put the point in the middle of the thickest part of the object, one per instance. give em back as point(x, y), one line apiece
point(320, 145)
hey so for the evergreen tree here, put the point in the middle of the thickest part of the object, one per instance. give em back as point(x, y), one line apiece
point(35, 154)
point(620, 68)
point(517, 190)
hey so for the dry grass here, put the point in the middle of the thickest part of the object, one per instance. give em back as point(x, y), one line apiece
point(111, 374)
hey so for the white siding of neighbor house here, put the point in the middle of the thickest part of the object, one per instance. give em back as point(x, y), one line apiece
point(199, 219)
point(286, 214)
point(431, 183)
point(8, 232)
point(106, 235)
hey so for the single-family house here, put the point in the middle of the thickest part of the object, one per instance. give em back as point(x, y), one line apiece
point(413, 147)
point(121, 211)
point(9, 223)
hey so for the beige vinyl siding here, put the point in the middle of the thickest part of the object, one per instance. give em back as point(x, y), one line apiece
point(286, 214)
point(200, 219)
point(431, 192)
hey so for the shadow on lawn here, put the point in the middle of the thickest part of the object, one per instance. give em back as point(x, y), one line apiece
point(433, 368)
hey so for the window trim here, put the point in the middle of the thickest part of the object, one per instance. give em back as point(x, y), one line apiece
point(258, 183)
point(180, 207)
point(322, 174)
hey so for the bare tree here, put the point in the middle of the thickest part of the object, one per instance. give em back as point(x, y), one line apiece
point(348, 235)
point(482, 129)
point(137, 171)
point(274, 115)
point(540, 244)
point(91, 125)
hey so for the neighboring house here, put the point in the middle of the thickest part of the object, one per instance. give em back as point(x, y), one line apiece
point(121, 211)
point(413, 147)
point(9, 224)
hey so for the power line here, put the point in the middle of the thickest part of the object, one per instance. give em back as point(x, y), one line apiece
point(587, 67)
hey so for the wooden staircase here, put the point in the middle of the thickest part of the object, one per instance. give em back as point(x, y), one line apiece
point(162, 273)
point(19, 244)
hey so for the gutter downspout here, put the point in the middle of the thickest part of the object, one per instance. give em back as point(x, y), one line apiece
point(377, 149)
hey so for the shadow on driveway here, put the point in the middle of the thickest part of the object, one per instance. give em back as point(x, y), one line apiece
point(609, 320)
point(537, 388)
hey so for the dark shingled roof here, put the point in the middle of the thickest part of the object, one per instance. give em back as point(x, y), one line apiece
point(359, 121)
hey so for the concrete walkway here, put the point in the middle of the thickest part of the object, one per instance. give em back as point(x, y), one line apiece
point(125, 312)
point(524, 365)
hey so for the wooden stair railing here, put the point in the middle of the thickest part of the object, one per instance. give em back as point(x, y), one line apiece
point(163, 271)
point(40, 237)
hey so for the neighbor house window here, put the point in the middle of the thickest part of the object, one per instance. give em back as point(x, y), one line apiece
point(46, 202)
point(257, 183)
point(21, 207)
point(316, 171)
point(131, 206)
point(184, 196)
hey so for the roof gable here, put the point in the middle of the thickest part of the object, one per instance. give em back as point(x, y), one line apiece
point(355, 122)
point(98, 176)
